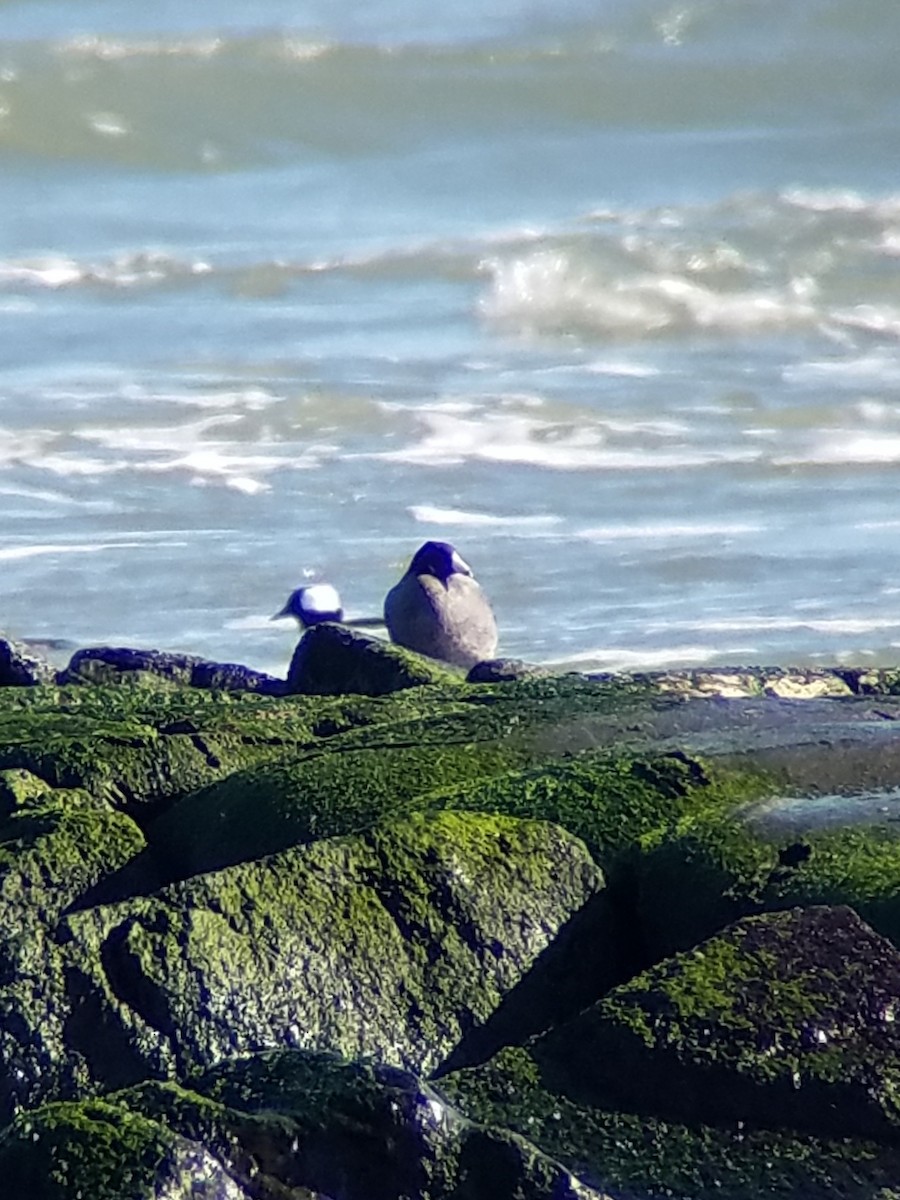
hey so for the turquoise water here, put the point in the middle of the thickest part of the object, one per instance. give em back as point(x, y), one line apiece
point(606, 294)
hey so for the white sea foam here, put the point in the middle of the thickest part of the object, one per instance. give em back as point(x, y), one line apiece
point(870, 318)
point(38, 550)
point(875, 368)
point(546, 292)
point(111, 49)
point(429, 515)
point(522, 438)
point(842, 200)
point(604, 658)
point(786, 624)
point(134, 269)
point(846, 446)
point(667, 531)
point(628, 370)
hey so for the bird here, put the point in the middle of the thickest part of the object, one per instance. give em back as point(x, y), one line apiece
point(439, 609)
point(313, 604)
point(318, 602)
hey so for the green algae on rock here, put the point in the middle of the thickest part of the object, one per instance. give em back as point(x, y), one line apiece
point(766, 855)
point(441, 759)
point(782, 1020)
point(390, 943)
point(103, 1150)
point(335, 660)
point(640, 1155)
point(276, 1125)
point(54, 848)
point(140, 748)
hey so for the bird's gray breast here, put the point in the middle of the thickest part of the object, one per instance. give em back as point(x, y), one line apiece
point(453, 622)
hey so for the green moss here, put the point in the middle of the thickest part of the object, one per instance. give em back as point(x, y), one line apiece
point(620, 806)
point(722, 868)
point(647, 1156)
point(391, 942)
point(93, 1149)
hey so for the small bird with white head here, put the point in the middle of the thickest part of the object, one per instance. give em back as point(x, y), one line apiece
point(313, 604)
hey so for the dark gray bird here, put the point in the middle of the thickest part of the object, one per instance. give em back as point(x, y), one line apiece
point(439, 609)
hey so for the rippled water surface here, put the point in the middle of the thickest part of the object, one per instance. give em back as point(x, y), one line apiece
point(607, 294)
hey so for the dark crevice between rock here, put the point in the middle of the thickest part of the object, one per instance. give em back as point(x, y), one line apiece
point(790, 858)
point(140, 876)
point(128, 981)
point(93, 1032)
point(212, 760)
point(579, 966)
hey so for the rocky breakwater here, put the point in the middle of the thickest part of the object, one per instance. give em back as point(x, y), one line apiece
point(377, 931)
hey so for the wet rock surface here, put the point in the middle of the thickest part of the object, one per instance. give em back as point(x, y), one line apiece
point(21, 666)
point(384, 932)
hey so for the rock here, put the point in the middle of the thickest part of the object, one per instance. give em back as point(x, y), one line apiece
point(55, 846)
point(335, 660)
point(140, 748)
point(634, 1154)
point(744, 682)
point(506, 670)
point(786, 1020)
point(103, 1150)
point(428, 762)
point(278, 1124)
point(390, 943)
point(825, 831)
point(112, 665)
point(20, 666)
point(482, 880)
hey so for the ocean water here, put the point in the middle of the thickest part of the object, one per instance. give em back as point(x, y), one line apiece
point(607, 294)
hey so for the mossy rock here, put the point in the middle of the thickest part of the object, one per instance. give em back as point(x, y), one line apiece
point(334, 660)
point(636, 1155)
point(328, 792)
point(103, 1150)
point(106, 665)
point(275, 1125)
point(392, 943)
point(781, 850)
point(786, 1020)
point(140, 748)
point(447, 758)
point(54, 850)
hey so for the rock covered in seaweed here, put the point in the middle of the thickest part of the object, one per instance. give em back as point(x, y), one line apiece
point(115, 665)
point(392, 943)
point(276, 1124)
point(419, 875)
point(782, 1020)
point(335, 660)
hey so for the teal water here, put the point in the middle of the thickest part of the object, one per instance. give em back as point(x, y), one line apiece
point(606, 294)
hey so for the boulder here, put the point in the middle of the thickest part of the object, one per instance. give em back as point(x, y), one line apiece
point(393, 944)
point(336, 660)
point(631, 1154)
point(20, 666)
point(785, 1020)
point(285, 1123)
point(112, 665)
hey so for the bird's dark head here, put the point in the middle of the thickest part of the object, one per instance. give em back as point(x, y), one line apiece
point(313, 604)
point(439, 559)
